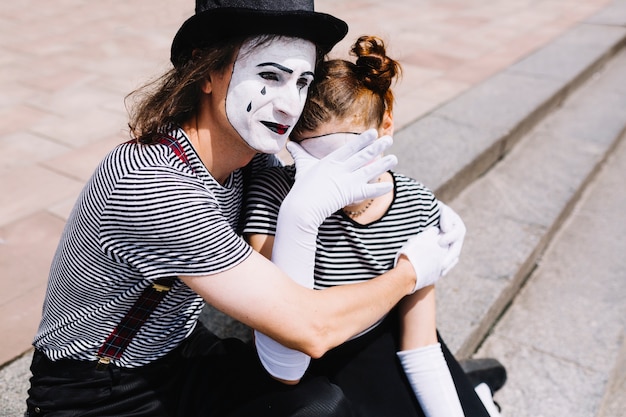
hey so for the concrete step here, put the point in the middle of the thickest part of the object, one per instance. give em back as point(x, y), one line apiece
point(457, 143)
point(513, 211)
point(562, 339)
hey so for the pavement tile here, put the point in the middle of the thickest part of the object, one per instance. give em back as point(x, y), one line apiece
point(56, 79)
point(93, 125)
point(408, 109)
point(20, 319)
point(14, 118)
point(26, 250)
point(72, 101)
point(29, 189)
point(413, 76)
point(80, 163)
point(442, 89)
point(569, 54)
point(15, 148)
point(433, 60)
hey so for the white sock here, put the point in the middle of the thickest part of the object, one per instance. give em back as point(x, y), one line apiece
point(484, 393)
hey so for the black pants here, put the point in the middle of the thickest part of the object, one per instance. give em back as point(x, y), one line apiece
point(371, 376)
point(205, 376)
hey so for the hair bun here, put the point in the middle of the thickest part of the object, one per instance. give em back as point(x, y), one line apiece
point(374, 67)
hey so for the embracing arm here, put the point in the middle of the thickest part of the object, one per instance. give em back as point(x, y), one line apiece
point(259, 295)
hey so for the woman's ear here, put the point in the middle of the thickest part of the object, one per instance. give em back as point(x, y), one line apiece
point(386, 127)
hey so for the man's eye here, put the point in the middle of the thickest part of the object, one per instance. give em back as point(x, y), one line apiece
point(303, 83)
point(268, 76)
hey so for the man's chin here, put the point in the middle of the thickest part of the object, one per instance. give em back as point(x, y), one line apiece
point(269, 147)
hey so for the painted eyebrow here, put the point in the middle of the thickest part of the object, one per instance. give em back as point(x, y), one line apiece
point(273, 64)
point(283, 68)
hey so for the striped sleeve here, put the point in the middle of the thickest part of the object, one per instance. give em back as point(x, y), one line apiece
point(163, 226)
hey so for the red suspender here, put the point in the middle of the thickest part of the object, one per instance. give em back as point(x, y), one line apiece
point(148, 300)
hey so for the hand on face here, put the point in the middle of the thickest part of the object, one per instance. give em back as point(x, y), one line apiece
point(268, 89)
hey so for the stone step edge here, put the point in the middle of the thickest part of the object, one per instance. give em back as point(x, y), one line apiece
point(495, 280)
point(452, 146)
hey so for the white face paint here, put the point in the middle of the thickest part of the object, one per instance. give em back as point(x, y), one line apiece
point(267, 91)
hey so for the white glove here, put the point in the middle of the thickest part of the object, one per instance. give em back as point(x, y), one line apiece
point(341, 178)
point(280, 361)
point(429, 376)
point(452, 235)
point(321, 188)
point(426, 256)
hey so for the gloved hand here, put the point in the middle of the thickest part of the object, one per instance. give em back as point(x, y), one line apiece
point(341, 178)
point(429, 376)
point(452, 234)
point(321, 188)
point(426, 256)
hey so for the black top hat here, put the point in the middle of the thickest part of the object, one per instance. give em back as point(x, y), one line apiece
point(222, 19)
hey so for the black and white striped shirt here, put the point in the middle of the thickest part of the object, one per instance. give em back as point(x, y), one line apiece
point(144, 214)
point(347, 252)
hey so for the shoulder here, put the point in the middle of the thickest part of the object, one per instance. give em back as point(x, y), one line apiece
point(274, 177)
point(410, 185)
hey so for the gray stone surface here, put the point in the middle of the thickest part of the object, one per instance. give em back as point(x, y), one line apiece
point(14, 377)
point(513, 211)
point(613, 14)
point(504, 101)
point(562, 339)
point(573, 53)
point(462, 153)
point(614, 401)
point(469, 134)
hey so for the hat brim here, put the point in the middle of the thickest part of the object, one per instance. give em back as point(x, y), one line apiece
point(218, 24)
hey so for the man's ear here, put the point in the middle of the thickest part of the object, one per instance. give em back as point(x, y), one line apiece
point(206, 86)
point(386, 127)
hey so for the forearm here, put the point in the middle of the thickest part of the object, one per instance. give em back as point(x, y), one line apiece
point(261, 296)
point(422, 358)
point(329, 317)
point(417, 314)
point(350, 309)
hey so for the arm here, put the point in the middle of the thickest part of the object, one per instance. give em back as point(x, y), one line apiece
point(417, 319)
point(422, 359)
point(258, 294)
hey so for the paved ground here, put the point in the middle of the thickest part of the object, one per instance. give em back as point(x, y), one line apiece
point(65, 67)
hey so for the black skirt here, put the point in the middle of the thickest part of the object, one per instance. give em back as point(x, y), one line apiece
point(371, 376)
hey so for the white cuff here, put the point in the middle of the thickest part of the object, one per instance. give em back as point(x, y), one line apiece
point(279, 361)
